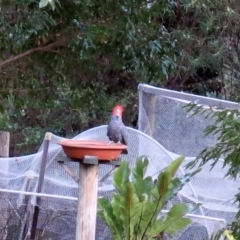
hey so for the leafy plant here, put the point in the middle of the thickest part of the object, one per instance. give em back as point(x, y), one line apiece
point(226, 126)
point(134, 211)
point(223, 234)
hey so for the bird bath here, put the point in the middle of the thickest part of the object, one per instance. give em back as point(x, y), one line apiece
point(78, 149)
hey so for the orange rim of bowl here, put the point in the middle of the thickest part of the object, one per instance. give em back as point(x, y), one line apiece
point(91, 144)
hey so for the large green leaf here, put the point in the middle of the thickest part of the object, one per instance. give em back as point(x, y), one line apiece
point(107, 214)
point(162, 185)
point(173, 221)
point(177, 184)
point(43, 3)
point(178, 225)
point(142, 185)
point(52, 4)
point(165, 188)
point(117, 207)
point(174, 166)
point(121, 176)
point(130, 206)
point(139, 230)
point(160, 227)
point(141, 167)
point(147, 218)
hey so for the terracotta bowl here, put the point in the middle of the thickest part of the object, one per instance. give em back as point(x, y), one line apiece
point(77, 149)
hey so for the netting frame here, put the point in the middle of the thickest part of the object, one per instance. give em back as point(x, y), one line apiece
point(187, 97)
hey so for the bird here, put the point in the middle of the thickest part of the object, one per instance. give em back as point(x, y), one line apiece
point(116, 130)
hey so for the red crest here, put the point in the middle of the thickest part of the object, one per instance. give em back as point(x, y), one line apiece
point(118, 110)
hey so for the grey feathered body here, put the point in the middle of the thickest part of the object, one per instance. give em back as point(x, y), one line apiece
point(117, 131)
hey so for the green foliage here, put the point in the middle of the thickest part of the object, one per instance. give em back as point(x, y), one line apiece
point(70, 61)
point(133, 212)
point(65, 69)
point(226, 127)
point(44, 3)
point(223, 234)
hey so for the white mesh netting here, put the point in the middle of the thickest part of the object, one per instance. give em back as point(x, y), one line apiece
point(175, 135)
point(21, 174)
point(162, 115)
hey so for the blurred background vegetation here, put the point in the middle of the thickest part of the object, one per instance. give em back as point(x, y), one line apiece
point(64, 64)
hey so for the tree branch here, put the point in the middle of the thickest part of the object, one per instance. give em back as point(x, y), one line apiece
point(33, 50)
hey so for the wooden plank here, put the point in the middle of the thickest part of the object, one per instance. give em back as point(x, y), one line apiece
point(69, 171)
point(87, 201)
point(114, 163)
point(90, 160)
point(4, 216)
point(105, 177)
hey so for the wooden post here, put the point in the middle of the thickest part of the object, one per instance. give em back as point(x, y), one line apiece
point(151, 114)
point(4, 144)
point(87, 200)
point(4, 217)
point(25, 223)
point(47, 139)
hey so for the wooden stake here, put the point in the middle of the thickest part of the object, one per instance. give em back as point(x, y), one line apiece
point(47, 139)
point(151, 114)
point(87, 201)
point(4, 144)
point(4, 217)
point(25, 223)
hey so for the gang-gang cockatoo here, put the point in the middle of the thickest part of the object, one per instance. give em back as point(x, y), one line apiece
point(116, 130)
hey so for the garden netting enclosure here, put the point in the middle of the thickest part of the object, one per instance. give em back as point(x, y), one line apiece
point(163, 115)
point(165, 132)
